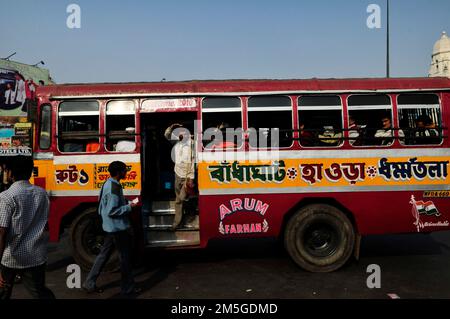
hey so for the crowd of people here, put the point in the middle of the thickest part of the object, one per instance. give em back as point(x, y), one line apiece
point(425, 132)
point(24, 211)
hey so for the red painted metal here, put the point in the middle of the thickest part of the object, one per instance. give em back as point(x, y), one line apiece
point(199, 87)
point(372, 212)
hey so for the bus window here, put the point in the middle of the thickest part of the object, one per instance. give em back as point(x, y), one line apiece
point(370, 120)
point(45, 127)
point(419, 116)
point(320, 120)
point(120, 126)
point(222, 123)
point(270, 121)
point(78, 126)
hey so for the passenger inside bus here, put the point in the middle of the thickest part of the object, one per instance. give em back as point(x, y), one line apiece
point(92, 146)
point(120, 128)
point(426, 132)
point(320, 128)
point(307, 138)
point(126, 145)
point(385, 135)
point(223, 142)
point(353, 130)
point(330, 137)
point(78, 133)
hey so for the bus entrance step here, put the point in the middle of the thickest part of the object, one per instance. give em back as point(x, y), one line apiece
point(169, 228)
point(165, 222)
point(173, 239)
point(162, 208)
point(160, 220)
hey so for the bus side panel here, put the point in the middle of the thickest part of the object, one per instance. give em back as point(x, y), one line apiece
point(77, 185)
point(446, 117)
point(398, 212)
point(62, 206)
point(227, 216)
point(262, 215)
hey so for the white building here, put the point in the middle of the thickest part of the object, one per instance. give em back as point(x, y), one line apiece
point(440, 64)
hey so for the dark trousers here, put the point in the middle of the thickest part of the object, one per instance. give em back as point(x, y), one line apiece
point(32, 278)
point(122, 242)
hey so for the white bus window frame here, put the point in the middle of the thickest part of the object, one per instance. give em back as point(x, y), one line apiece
point(47, 134)
point(387, 108)
point(423, 106)
point(130, 111)
point(222, 110)
point(267, 109)
point(321, 108)
point(78, 113)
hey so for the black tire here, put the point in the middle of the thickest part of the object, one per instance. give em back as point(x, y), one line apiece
point(319, 238)
point(86, 239)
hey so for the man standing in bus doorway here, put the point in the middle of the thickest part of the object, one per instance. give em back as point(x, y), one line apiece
point(184, 167)
point(115, 211)
point(24, 212)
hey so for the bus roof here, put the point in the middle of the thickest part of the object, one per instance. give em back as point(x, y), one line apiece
point(242, 87)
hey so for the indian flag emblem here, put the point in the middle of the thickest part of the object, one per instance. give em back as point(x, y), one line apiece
point(423, 208)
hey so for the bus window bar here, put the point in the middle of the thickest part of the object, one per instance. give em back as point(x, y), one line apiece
point(372, 138)
point(81, 135)
point(437, 128)
point(320, 130)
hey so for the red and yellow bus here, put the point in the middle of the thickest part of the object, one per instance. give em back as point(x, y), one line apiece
point(353, 157)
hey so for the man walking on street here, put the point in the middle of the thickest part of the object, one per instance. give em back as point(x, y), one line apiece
point(24, 212)
point(114, 210)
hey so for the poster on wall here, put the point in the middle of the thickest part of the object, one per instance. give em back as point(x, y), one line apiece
point(15, 136)
point(15, 93)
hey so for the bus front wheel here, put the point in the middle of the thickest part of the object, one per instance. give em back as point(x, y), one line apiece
point(86, 240)
point(319, 238)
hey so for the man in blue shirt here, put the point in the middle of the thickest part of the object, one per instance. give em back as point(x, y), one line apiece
point(114, 210)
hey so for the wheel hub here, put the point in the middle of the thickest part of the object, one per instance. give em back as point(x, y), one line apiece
point(321, 240)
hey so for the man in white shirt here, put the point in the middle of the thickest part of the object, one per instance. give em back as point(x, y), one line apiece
point(386, 134)
point(21, 94)
point(126, 145)
point(10, 95)
point(182, 155)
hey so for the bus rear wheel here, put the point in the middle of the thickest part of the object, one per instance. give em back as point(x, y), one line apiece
point(319, 238)
point(86, 240)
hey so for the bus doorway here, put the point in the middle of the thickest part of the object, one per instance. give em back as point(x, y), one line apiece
point(158, 188)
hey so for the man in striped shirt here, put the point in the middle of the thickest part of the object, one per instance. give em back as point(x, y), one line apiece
point(24, 212)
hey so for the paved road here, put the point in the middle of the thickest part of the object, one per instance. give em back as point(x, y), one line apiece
point(413, 266)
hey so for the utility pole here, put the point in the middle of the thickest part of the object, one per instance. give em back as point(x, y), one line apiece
point(388, 73)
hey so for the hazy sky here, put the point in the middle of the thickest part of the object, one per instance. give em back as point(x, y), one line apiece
point(135, 40)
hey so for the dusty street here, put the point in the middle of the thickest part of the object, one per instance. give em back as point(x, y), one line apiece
point(412, 266)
